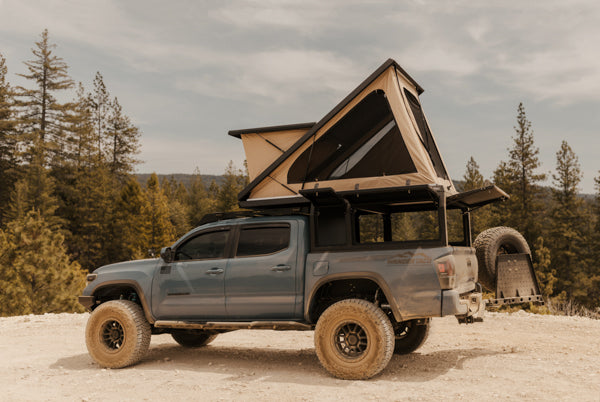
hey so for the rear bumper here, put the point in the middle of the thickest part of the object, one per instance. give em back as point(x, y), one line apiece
point(87, 301)
point(453, 304)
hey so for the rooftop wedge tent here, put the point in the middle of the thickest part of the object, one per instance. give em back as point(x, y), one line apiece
point(377, 137)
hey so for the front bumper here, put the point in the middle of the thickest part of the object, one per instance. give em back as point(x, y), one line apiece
point(470, 306)
point(87, 301)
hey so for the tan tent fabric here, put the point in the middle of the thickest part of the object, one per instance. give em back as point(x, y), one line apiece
point(262, 148)
point(392, 82)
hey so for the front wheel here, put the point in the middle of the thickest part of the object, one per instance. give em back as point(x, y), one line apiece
point(354, 339)
point(410, 336)
point(117, 334)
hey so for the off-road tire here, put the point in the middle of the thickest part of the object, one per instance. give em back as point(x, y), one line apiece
point(193, 338)
point(117, 334)
point(492, 242)
point(354, 339)
point(410, 336)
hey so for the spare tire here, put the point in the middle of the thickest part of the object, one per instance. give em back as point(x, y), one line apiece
point(492, 242)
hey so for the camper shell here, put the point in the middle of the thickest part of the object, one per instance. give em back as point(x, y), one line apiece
point(376, 138)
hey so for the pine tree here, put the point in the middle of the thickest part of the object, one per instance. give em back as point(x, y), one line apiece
point(233, 183)
point(199, 201)
point(8, 138)
point(121, 142)
point(99, 103)
point(543, 267)
point(520, 180)
point(567, 220)
point(36, 274)
point(594, 241)
point(131, 226)
point(177, 196)
point(35, 191)
point(86, 189)
point(161, 231)
point(481, 218)
point(42, 115)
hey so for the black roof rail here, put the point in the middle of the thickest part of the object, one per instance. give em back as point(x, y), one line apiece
point(219, 216)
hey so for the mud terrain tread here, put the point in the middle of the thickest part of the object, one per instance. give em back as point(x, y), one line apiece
point(136, 327)
point(380, 339)
point(487, 245)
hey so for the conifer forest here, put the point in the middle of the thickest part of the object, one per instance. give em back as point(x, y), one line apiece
point(70, 201)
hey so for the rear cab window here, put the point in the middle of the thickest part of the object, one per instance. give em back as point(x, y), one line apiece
point(264, 239)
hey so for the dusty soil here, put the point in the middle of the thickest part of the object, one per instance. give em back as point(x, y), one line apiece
point(518, 356)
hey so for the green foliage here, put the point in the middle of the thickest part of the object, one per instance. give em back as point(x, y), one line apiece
point(161, 231)
point(568, 219)
point(545, 273)
point(36, 274)
point(8, 137)
point(234, 181)
point(199, 202)
point(131, 229)
point(34, 190)
point(481, 219)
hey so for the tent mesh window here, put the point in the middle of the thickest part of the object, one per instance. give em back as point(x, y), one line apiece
point(425, 135)
point(366, 142)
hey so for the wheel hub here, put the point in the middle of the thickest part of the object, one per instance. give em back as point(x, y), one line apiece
point(113, 335)
point(351, 340)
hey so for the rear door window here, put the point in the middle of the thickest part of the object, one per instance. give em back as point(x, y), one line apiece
point(262, 240)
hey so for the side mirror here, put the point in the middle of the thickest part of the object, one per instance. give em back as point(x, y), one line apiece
point(166, 254)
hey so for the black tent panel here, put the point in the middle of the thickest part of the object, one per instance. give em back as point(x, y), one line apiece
point(425, 135)
point(366, 142)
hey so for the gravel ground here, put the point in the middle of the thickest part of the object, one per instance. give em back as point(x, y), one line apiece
point(516, 356)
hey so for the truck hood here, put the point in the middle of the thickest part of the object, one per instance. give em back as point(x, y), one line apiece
point(128, 266)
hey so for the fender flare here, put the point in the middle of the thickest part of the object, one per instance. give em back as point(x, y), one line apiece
point(353, 275)
point(138, 289)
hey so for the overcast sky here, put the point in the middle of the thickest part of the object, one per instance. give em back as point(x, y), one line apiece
point(187, 72)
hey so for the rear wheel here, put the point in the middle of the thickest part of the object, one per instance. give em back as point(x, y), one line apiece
point(193, 338)
point(410, 336)
point(354, 339)
point(117, 334)
point(493, 242)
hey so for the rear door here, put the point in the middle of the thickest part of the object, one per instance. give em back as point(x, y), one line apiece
point(192, 286)
point(260, 281)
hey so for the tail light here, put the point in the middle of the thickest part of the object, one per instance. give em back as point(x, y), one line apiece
point(446, 273)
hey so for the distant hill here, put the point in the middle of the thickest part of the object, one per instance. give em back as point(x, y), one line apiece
point(184, 178)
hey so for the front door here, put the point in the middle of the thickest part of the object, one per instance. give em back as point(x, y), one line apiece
point(192, 286)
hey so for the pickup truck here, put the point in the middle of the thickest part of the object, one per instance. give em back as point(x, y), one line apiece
point(358, 277)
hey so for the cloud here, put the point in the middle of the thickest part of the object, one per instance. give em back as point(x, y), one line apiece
point(279, 75)
point(190, 153)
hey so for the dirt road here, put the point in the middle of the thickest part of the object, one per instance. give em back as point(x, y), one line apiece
point(518, 357)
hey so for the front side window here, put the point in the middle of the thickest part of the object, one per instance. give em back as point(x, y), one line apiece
point(208, 245)
point(263, 240)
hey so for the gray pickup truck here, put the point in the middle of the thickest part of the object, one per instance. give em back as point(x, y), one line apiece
point(366, 276)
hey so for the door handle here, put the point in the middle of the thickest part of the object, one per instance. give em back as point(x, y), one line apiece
point(281, 268)
point(215, 271)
